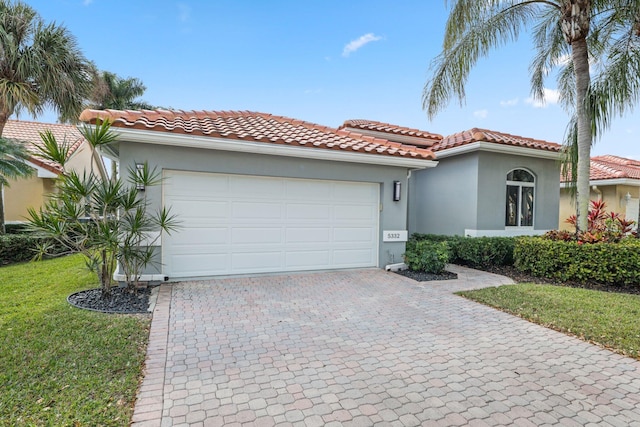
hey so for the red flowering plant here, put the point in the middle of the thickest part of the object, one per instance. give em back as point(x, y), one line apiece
point(602, 226)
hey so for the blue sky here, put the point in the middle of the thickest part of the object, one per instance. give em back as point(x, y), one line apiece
point(324, 61)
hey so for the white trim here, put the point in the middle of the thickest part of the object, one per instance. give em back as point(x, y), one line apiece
point(390, 136)
point(143, 277)
point(205, 142)
point(508, 232)
point(396, 267)
point(498, 148)
point(42, 172)
point(616, 181)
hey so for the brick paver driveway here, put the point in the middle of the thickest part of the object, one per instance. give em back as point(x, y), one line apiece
point(369, 348)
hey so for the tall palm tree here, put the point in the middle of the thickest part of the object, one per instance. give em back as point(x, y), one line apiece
point(114, 92)
point(561, 29)
point(40, 66)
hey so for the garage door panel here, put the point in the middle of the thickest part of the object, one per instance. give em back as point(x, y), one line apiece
point(352, 257)
point(200, 264)
point(256, 236)
point(308, 235)
point(355, 213)
point(204, 235)
point(254, 224)
point(188, 184)
point(308, 260)
point(256, 261)
point(307, 211)
point(256, 187)
point(351, 234)
point(256, 210)
point(296, 190)
point(202, 209)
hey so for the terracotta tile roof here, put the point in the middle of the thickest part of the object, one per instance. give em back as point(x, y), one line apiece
point(430, 138)
point(483, 135)
point(29, 133)
point(255, 127)
point(613, 167)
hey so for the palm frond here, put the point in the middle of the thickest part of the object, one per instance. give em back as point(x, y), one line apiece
point(491, 23)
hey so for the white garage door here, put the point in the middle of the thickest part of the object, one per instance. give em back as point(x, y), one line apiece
point(235, 224)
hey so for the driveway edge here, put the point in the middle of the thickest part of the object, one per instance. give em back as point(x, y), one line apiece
point(148, 406)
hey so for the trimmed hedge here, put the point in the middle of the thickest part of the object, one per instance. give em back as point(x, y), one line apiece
point(609, 263)
point(425, 255)
point(471, 251)
point(485, 251)
point(19, 247)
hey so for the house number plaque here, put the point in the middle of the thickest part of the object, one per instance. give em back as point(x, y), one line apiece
point(394, 235)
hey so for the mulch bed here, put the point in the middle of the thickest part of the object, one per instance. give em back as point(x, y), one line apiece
point(121, 300)
point(423, 276)
point(519, 277)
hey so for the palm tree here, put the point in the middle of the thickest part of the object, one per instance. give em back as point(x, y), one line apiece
point(114, 92)
point(40, 66)
point(561, 29)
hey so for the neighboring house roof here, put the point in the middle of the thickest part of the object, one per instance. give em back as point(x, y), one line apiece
point(29, 133)
point(256, 127)
point(483, 135)
point(428, 138)
point(610, 167)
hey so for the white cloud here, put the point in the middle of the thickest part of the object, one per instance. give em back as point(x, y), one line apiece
point(184, 12)
point(551, 96)
point(509, 102)
point(481, 114)
point(354, 45)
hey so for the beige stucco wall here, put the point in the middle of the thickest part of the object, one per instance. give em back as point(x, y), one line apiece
point(24, 193)
point(612, 195)
point(81, 159)
point(33, 191)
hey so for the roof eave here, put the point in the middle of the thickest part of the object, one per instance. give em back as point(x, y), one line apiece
point(613, 181)
point(223, 144)
point(498, 148)
point(397, 137)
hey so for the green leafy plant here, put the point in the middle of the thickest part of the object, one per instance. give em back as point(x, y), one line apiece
point(485, 251)
point(428, 256)
point(105, 220)
point(603, 262)
point(602, 226)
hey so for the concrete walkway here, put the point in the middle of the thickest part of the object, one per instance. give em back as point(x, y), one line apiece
point(366, 347)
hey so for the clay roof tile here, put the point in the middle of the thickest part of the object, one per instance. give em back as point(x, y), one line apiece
point(248, 126)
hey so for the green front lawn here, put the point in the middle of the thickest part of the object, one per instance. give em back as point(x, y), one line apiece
point(60, 365)
point(607, 319)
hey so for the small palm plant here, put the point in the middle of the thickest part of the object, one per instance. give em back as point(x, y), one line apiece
point(105, 220)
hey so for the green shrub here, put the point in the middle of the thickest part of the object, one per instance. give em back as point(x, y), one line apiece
point(471, 251)
point(609, 263)
point(485, 251)
point(425, 255)
point(16, 228)
point(24, 247)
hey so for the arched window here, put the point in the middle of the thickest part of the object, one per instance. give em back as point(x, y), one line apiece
point(520, 196)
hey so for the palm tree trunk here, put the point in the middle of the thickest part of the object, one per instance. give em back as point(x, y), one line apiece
point(4, 116)
point(2, 228)
point(580, 59)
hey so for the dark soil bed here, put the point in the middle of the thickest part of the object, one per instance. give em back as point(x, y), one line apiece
point(519, 277)
point(121, 300)
point(422, 276)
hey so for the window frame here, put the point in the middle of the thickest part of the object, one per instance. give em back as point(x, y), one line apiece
point(520, 185)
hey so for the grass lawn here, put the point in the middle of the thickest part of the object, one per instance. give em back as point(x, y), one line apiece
point(60, 365)
point(607, 319)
